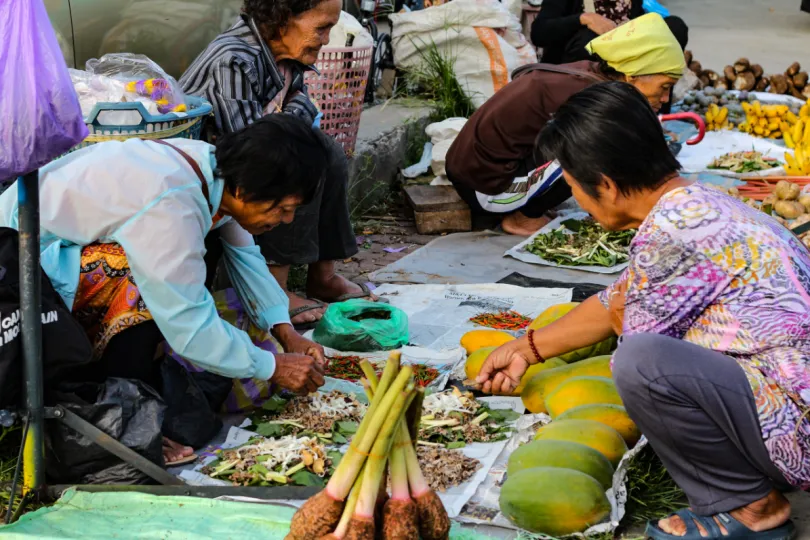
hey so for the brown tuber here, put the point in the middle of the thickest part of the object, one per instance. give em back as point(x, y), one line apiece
point(762, 84)
point(317, 517)
point(721, 85)
point(757, 70)
point(742, 65)
point(687, 56)
point(712, 75)
point(696, 67)
point(400, 520)
point(361, 528)
point(433, 521)
point(794, 68)
point(800, 80)
point(730, 74)
point(745, 81)
point(779, 84)
point(806, 93)
point(704, 81)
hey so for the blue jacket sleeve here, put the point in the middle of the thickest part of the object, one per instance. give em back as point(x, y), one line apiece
point(165, 248)
point(261, 295)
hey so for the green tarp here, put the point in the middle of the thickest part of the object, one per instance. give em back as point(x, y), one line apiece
point(130, 516)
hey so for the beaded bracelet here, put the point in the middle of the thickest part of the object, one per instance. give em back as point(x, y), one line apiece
point(530, 334)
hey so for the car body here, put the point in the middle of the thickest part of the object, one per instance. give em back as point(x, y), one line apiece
point(170, 32)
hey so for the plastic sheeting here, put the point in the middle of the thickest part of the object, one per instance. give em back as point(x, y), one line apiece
point(101, 516)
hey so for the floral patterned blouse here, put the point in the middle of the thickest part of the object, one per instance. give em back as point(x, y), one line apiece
point(706, 268)
point(617, 11)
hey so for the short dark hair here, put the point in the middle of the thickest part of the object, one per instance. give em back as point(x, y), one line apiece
point(609, 128)
point(275, 157)
point(273, 15)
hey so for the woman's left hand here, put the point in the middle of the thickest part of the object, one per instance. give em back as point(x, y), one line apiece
point(616, 307)
point(295, 343)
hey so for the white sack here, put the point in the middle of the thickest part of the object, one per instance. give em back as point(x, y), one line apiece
point(346, 26)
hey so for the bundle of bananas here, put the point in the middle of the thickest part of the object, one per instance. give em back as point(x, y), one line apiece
point(717, 118)
point(770, 121)
point(798, 138)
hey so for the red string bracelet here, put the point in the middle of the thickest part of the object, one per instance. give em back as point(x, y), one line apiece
point(530, 335)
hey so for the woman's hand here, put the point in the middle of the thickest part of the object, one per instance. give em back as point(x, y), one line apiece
point(298, 373)
point(295, 343)
point(504, 367)
point(597, 23)
point(616, 307)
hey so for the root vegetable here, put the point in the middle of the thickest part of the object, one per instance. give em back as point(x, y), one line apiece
point(794, 68)
point(762, 84)
point(745, 81)
point(804, 200)
point(317, 517)
point(433, 521)
point(687, 56)
point(730, 74)
point(757, 70)
point(721, 85)
point(800, 80)
point(704, 81)
point(361, 528)
point(712, 75)
point(801, 220)
point(787, 191)
point(779, 84)
point(695, 67)
point(400, 520)
point(788, 209)
point(742, 65)
point(806, 92)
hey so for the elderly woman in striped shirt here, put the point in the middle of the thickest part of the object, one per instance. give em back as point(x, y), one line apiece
point(257, 68)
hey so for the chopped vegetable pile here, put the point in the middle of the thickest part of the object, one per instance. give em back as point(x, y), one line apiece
point(582, 243)
point(445, 468)
point(289, 460)
point(331, 417)
point(453, 419)
point(505, 320)
point(744, 162)
point(347, 368)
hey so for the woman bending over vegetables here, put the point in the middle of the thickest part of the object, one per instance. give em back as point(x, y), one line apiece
point(714, 314)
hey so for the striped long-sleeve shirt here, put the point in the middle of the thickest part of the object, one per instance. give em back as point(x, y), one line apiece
point(239, 76)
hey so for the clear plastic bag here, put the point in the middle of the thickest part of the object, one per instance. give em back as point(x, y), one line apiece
point(143, 77)
point(41, 115)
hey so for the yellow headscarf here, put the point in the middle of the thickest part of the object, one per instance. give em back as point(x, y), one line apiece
point(643, 46)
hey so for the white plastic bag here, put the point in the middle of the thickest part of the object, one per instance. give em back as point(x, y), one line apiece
point(346, 26)
point(481, 37)
point(442, 134)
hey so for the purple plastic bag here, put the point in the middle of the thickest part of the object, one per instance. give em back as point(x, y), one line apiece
point(41, 117)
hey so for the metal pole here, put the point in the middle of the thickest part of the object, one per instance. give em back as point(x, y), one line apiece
point(31, 327)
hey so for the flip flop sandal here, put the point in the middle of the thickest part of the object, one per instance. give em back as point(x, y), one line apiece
point(182, 461)
point(734, 529)
point(303, 309)
point(365, 292)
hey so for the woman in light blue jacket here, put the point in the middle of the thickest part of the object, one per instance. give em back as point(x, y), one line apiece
point(124, 229)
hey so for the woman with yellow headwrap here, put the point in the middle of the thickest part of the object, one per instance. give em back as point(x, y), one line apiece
point(492, 162)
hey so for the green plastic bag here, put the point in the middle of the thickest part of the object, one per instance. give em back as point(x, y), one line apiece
point(362, 326)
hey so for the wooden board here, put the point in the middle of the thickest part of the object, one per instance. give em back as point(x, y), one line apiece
point(434, 199)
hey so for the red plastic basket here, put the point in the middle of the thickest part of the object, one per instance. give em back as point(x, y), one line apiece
point(339, 91)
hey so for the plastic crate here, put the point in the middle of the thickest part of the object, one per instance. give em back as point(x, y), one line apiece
point(339, 90)
point(186, 125)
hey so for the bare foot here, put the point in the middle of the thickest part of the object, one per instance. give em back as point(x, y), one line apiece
point(765, 514)
point(173, 451)
point(520, 225)
point(310, 315)
point(323, 283)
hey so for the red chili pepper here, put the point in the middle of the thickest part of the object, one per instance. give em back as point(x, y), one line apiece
point(505, 320)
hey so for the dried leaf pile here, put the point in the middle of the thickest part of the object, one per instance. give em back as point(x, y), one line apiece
point(445, 468)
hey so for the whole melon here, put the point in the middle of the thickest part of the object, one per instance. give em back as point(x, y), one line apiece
point(541, 385)
point(557, 312)
point(475, 361)
point(581, 391)
point(534, 369)
point(564, 454)
point(614, 416)
point(596, 435)
point(553, 501)
point(478, 339)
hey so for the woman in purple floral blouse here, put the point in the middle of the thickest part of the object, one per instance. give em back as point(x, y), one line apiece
point(714, 314)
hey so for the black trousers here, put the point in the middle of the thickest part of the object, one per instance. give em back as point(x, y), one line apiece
point(535, 207)
point(696, 408)
point(322, 229)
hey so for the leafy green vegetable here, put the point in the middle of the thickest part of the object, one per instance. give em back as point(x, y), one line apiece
point(347, 428)
point(306, 478)
point(455, 445)
point(503, 415)
point(269, 429)
point(582, 243)
point(274, 404)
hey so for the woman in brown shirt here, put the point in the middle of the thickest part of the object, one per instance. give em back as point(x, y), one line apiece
point(491, 161)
